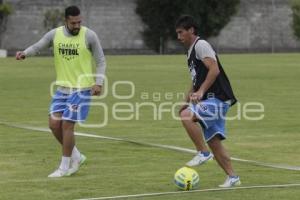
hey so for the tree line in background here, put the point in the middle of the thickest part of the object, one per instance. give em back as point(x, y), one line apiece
point(295, 4)
point(160, 17)
point(5, 10)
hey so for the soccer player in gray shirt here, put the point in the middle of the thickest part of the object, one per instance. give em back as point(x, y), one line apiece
point(74, 48)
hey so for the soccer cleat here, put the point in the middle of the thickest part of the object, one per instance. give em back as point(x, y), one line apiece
point(75, 165)
point(231, 181)
point(59, 173)
point(199, 159)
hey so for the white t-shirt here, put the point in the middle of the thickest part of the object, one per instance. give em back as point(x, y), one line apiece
point(203, 50)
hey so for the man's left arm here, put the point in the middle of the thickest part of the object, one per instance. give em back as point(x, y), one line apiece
point(205, 52)
point(213, 71)
point(97, 52)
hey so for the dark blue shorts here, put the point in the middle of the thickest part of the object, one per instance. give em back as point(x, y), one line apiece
point(211, 114)
point(74, 106)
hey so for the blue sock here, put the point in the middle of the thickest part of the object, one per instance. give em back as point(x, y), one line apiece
point(205, 153)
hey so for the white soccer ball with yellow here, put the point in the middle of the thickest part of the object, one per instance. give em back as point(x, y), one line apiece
point(186, 179)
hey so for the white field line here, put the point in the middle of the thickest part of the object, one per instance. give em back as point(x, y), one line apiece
point(277, 166)
point(194, 191)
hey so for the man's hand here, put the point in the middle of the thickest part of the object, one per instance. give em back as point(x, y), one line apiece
point(96, 90)
point(20, 55)
point(196, 97)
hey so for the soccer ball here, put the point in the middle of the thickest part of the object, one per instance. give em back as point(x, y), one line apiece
point(186, 178)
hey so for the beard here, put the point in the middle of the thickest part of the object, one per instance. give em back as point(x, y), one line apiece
point(74, 31)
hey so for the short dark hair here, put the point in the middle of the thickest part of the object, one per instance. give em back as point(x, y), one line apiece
point(72, 11)
point(186, 22)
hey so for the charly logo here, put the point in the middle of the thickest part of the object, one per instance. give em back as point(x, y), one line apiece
point(68, 51)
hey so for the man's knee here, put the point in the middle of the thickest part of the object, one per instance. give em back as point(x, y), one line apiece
point(185, 114)
point(215, 142)
point(184, 107)
point(188, 115)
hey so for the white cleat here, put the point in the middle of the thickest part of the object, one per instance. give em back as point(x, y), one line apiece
point(199, 159)
point(75, 165)
point(58, 173)
point(231, 182)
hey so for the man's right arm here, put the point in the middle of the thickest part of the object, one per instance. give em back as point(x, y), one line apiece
point(35, 49)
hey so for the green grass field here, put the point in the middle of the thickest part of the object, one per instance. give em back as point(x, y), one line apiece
point(118, 168)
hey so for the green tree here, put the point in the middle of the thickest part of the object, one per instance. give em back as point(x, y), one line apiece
point(211, 15)
point(159, 16)
point(5, 10)
point(296, 17)
point(53, 18)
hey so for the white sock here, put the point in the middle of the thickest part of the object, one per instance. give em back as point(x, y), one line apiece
point(65, 163)
point(75, 154)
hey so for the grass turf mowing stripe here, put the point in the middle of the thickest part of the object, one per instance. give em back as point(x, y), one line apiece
point(194, 191)
point(277, 166)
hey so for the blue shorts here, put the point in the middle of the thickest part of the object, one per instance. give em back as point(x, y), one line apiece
point(211, 114)
point(74, 106)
